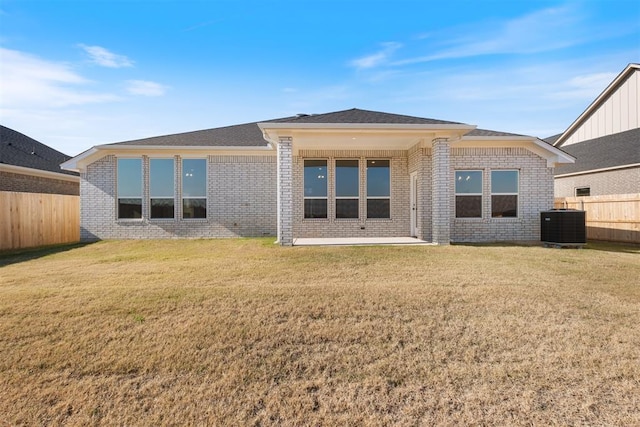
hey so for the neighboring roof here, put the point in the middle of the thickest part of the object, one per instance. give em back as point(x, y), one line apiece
point(17, 149)
point(552, 139)
point(610, 151)
point(613, 86)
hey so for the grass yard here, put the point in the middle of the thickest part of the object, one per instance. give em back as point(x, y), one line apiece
point(243, 332)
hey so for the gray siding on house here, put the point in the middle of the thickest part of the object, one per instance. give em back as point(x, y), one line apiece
point(241, 202)
point(620, 181)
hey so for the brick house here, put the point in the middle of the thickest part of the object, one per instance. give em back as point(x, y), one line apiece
point(29, 166)
point(352, 173)
point(605, 140)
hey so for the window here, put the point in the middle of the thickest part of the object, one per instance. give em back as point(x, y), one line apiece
point(347, 189)
point(504, 194)
point(315, 189)
point(194, 188)
point(378, 189)
point(129, 188)
point(161, 188)
point(583, 191)
point(468, 194)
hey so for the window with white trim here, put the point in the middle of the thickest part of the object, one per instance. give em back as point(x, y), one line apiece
point(315, 189)
point(504, 193)
point(378, 189)
point(129, 188)
point(347, 181)
point(468, 191)
point(194, 188)
point(161, 188)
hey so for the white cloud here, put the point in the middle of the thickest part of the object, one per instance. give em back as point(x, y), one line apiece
point(29, 81)
point(379, 58)
point(540, 31)
point(105, 58)
point(145, 88)
point(586, 86)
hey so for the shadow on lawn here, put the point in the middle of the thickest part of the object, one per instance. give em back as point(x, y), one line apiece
point(22, 255)
point(592, 245)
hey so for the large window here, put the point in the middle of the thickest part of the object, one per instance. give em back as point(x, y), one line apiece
point(194, 188)
point(161, 188)
point(504, 193)
point(129, 188)
point(347, 189)
point(378, 189)
point(315, 189)
point(468, 194)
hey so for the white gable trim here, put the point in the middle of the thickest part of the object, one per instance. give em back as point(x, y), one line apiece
point(623, 76)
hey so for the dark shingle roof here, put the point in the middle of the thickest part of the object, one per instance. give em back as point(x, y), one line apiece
point(552, 139)
point(245, 135)
point(356, 115)
point(250, 135)
point(605, 152)
point(19, 150)
point(485, 132)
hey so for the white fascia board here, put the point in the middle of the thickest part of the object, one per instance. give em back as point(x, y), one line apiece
point(273, 131)
point(612, 168)
point(629, 69)
point(38, 172)
point(82, 160)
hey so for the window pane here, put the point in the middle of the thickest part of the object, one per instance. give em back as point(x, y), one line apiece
point(583, 192)
point(468, 182)
point(468, 206)
point(130, 178)
point(161, 178)
point(378, 179)
point(504, 182)
point(347, 178)
point(315, 208)
point(378, 208)
point(194, 178)
point(315, 179)
point(130, 208)
point(194, 208)
point(347, 208)
point(504, 206)
point(161, 208)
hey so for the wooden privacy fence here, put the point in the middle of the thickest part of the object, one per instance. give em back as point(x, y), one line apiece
point(36, 219)
point(614, 218)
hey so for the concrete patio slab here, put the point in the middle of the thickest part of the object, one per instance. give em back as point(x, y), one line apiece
point(359, 241)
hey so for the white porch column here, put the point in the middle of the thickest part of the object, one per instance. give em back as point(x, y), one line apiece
point(441, 191)
point(285, 191)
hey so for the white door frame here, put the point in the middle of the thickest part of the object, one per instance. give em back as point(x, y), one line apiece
point(413, 205)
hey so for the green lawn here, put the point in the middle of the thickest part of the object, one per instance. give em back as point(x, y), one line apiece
point(244, 332)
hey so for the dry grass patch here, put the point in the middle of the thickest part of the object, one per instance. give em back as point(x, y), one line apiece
point(242, 332)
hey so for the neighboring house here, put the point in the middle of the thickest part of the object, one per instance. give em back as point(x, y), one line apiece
point(351, 173)
point(29, 166)
point(605, 140)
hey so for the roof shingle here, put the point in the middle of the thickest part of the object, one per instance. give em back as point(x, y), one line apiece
point(619, 149)
point(18, 149)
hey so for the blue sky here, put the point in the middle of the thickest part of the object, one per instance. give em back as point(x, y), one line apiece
point(74, 74)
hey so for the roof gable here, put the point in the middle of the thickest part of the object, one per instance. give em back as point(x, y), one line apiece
point(616, 109)
point(17, 149)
